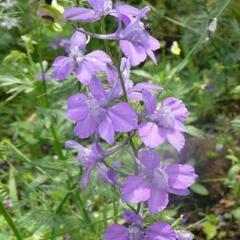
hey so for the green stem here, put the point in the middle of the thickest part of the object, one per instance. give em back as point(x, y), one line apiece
point(45, 104)
point(10, 221)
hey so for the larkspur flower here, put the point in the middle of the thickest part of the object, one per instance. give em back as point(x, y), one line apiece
point(87, 158)
point(134, 40)
point(84, 66)
point(164, 123)
point(136, 231)
point(99, 8)
point(155, 181)
point(93, 114)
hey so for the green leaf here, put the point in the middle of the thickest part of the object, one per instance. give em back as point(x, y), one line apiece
point(210, 230)
point(196, 132)
point(199, 189)
point(236, 213)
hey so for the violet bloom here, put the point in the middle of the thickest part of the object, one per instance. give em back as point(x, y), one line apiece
point(88, 158)
point(155, 181)
point(136, 231)
point(84, 66)
point(164, 123)
point(135, 41)
point(93, 114)
point(99, 8)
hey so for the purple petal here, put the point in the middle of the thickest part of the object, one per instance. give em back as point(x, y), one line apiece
point(147, 86)
point(85, 128)
point(176, 139)
point(96, 88)
point(116, 232)
point(154, 43)
point(80, 14)
point(62, 67)
point(160, 231)
point(180, 176)
point(127, 12)
point(131, 218)
point(106, 130)
point(135, 190)
point(150, 102)
point(78, 108)
point(158, 201)
point(135, 54)
point(87, 172)
point(149, 134)
point(124, 117)
point(73, 144)
point(77, 100)
point(101, 5)
point(85, 72)
point(149, 158)
point(79, 39)
point(99, 60)
point(179, 126)
point(177, 107)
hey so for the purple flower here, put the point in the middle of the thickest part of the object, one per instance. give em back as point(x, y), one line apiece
point(99, 8)
point(84, 66)
point(94, 115)
point(88, 158)
point(155, 181)
point(135, 41)
point(164, 123)
point(136, 231)
point(102, 8)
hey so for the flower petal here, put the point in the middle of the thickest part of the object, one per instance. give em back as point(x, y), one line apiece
point(135, 190)
point(124, 117)
point(158, 201)
point(149, 158)
point(80, 14)
point(150, 101)
point(135, 53)
point(85, 72)
point(79, 39)
point(160, 231)
point(85, 128)
point(180, 176)
point(176, 139)
point(116, 232)
point(149, 134)
point(62, 67)
point(106, 130)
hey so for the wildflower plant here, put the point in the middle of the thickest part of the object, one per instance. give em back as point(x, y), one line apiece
point(108, 112)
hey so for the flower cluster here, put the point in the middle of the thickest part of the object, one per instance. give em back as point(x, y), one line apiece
point(111, 109)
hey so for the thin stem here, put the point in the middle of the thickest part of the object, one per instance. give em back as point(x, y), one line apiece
point(10, 222)
point(56, 142)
